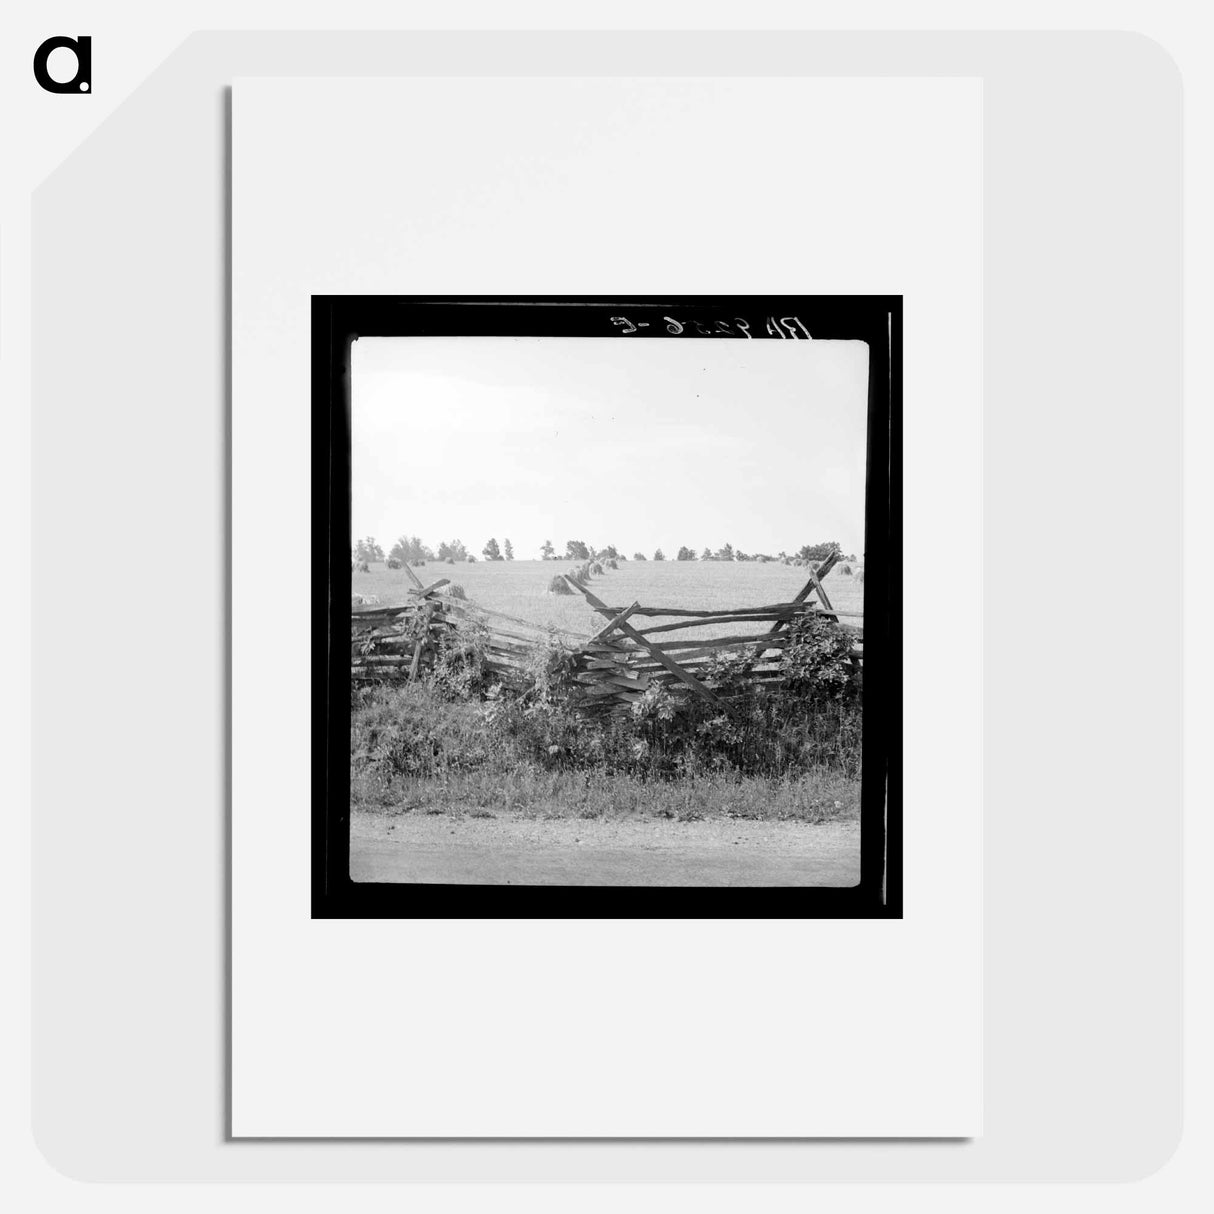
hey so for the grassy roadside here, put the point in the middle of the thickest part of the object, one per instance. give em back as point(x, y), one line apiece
point(528, 793)
point(416, 750)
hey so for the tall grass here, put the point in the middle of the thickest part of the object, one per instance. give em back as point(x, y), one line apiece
point(791, 748)
point(531, 792)
point(413, 749)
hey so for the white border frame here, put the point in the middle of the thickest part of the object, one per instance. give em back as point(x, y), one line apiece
point(887, 1036)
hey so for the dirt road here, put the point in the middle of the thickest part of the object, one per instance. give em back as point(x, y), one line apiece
point(502, 850)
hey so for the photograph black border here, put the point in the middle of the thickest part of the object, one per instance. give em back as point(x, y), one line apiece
point(339, 320)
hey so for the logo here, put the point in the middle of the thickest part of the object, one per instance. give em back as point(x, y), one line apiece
point(82, 48)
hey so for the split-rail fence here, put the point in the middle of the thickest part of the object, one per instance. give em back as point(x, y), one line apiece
point(636, 647)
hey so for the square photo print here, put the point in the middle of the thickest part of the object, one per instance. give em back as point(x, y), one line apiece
point(606, 606)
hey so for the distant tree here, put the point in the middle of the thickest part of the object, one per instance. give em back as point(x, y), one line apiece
point(686, 554)
point(409, 548)
point(368, 550)
point(454, 551)
point(726, 553)
point(548, 551)
point(491, 551)
point(639, 556)
point(508, 548)
point(819, 552)
point(610, 553)
point(575, 550)
point(659, 555)
point(706, 555)
point(470, 558)
point(741, 556)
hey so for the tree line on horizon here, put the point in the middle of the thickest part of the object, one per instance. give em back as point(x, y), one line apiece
point(409, 549)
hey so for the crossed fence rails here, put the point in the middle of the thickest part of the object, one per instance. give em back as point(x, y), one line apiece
point(614, 667)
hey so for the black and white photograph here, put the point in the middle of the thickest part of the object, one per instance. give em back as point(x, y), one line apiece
point(611, 598)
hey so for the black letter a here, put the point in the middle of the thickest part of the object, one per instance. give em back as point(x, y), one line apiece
point(82, 48)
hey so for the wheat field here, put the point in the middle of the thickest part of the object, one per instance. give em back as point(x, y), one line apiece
point(520, 588)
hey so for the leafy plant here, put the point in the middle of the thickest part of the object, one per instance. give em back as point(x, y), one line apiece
point(458, 670)
point(817, 662)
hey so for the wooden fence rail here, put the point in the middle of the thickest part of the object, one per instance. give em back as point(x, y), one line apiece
point(611, 669)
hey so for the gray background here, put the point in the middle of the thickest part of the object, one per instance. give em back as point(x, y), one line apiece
point(1082, 695)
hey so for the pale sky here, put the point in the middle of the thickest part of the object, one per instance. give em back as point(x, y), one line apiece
point(641, 444)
